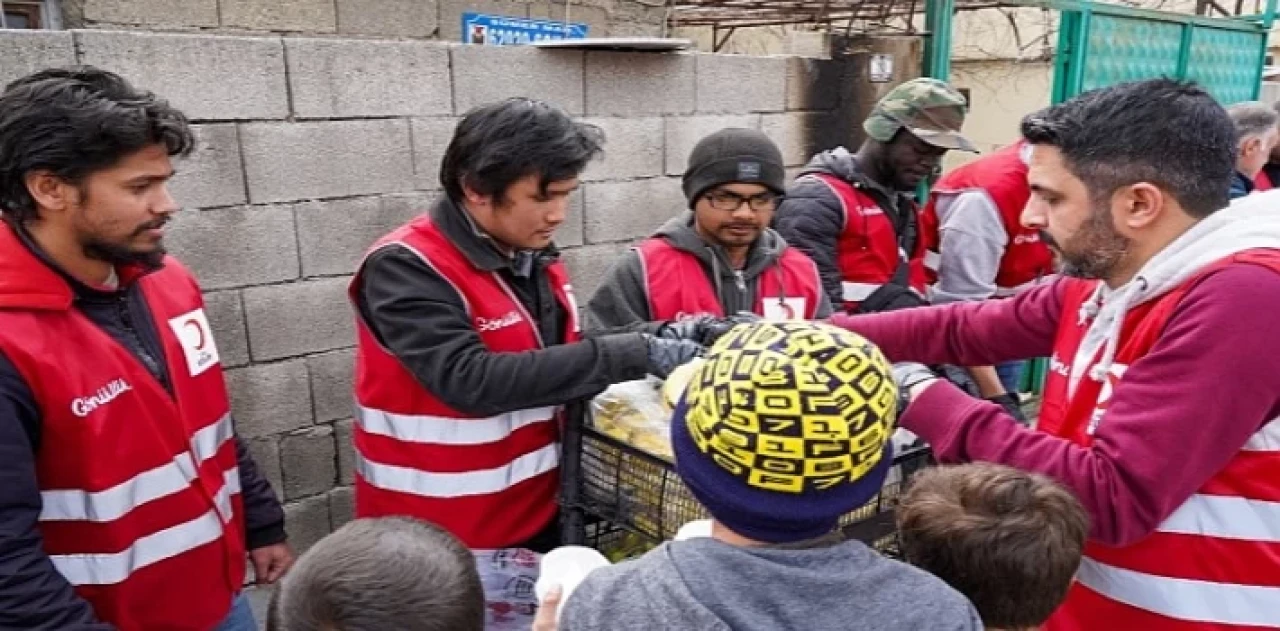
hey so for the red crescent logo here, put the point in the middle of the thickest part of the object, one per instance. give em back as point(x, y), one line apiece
point(194, 324)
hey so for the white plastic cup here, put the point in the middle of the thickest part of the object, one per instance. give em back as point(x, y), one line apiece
point(700, 528)
point(566, 566)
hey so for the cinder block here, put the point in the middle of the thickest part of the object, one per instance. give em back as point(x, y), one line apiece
point(212, 175)
point(333, 78)
point(569, 234)
point(233, 247)
point(451, 14)
point(331, 390)
point(266, 454)
point(549, 75)
point(646, 12)
point(625, 211)
point(723, 83)
point(683, 132)
point(333, 235)
point(816, 84)
point(307, 521)
point(632, 148)
point(294, 161)
point(342, 506)
point(270, 398)
point(299, 318)
point(344, 436)
point(626, 28)
point(588, 264)
point(259, 600)
point(206, 76)
point(308, 461)
point(635, 84)
point(310, 16)
point(25, 52)
point(388, 18)
point(180, 13)
point(431, 137)
point(596, 18)
point(796, 134)
point(226, 316)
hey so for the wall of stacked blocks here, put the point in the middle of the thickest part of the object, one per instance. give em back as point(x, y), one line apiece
point(311, 148)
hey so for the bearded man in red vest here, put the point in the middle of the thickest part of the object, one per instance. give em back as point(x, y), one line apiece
point(126, 501)
point(720, 257)
point(469, 344)
point(1160, 412)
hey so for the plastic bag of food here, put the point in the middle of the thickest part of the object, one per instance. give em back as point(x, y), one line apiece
point(633, 413)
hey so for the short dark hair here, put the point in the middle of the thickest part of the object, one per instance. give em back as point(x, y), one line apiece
point(497, 144)
point(379, 575)
point(1169, 133)
point(1010, 541)
point(73, 122)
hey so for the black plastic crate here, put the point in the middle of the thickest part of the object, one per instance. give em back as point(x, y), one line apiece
point(640, 494)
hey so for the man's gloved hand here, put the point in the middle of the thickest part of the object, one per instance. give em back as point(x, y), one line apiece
point(704, 329)
point(1011, 404)
point(907, 375)
point(666, 354)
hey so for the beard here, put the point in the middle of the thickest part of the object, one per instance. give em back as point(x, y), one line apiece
point(122, 254)
point(1094, 251)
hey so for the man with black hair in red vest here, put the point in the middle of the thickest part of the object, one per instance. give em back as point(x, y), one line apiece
point(126, 500)
point(1161, 405)
point(720, 257)
point(469, 345)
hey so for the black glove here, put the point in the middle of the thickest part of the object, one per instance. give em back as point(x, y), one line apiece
point(1010, 403)
point(667, 354)
point(704, 329)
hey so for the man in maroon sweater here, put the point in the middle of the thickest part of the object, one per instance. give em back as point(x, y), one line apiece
point(1161, 408)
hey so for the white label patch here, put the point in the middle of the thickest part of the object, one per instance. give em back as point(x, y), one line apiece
point(196, 339)
point(782, 309)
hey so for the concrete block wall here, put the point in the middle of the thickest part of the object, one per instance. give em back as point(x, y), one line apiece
point(310, 149)
point(424, 19)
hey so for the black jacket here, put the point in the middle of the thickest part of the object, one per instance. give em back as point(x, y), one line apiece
point(811, 216)
point(416, 314)
point(32, 593)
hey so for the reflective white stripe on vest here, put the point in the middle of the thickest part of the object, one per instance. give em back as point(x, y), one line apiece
point(1226, 518)
point(446, 485)
point(112, 568)
point(115, 502)
point(932, 260)
point(1265, 439)
point(443, 430)
point(1184, 599)
point(855, 292)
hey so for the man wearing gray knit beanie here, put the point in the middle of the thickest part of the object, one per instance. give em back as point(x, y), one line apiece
point(718, 258)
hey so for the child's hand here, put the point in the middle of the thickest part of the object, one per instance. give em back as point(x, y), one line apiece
point(546, 618)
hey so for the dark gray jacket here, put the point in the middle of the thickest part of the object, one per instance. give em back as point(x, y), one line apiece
point(708, 585)
point(621, 301)
point(417, 314)
point(811, 216)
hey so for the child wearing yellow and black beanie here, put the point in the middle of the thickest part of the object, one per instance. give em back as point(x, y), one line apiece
point(782, 430)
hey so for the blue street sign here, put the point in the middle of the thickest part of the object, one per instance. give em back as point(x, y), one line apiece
point(500, 30)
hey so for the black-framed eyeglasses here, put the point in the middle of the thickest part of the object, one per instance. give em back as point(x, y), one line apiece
point(730, 201)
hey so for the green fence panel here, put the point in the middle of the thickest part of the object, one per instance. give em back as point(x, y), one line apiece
point(1127, 49)
point(1226, 62)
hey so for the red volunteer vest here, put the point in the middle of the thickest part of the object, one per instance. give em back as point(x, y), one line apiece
point(1263, 182)
point(492, 482)
point(677, 285)
point(140, 488)
point(867, 251)
point(1214, 564)
point(1003, 175)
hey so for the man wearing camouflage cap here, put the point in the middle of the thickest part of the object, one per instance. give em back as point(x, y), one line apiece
point(855, 215)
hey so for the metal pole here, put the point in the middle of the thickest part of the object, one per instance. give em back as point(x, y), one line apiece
point(4, 21)
point(937, 47)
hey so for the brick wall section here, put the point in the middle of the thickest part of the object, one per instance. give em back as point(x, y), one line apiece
point(418, 19)
point(312, 148)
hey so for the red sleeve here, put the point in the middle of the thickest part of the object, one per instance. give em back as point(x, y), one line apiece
point(966, 333)
point(1180, 413)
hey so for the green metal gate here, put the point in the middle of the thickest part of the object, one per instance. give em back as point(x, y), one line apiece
point(1103, 44)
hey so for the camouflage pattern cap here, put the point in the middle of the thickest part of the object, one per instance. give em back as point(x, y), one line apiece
point(928, 108)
